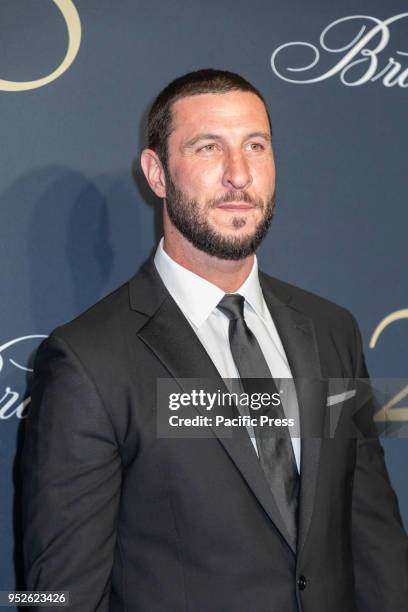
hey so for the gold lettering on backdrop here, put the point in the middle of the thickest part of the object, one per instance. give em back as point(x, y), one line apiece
point(386, 414)
point(73, 24)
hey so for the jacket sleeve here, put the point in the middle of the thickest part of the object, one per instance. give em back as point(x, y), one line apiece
point(71, 473)
point(379, 541)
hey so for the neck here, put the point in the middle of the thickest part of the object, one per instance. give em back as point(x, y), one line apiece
point(226, 274)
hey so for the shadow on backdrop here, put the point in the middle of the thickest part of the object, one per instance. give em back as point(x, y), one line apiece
point(77, 231)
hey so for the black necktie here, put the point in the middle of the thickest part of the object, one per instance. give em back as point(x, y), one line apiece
point(274, 444)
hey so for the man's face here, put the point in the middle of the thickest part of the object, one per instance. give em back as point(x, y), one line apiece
point(220, 180)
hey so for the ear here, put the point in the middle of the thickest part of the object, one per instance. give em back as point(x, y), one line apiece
point(153, 171)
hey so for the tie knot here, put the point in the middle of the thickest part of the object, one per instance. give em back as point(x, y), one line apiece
point(232, 305)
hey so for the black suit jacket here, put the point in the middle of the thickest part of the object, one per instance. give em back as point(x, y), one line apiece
point(125, 520)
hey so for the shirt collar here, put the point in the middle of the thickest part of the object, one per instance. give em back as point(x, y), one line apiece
point(197, 297)
point(252, 292)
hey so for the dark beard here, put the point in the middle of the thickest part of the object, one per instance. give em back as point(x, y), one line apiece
point(186, 216)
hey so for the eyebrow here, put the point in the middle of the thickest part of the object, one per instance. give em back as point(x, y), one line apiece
point(210, 136)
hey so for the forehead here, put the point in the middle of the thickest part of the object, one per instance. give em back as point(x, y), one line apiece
point(238, 110)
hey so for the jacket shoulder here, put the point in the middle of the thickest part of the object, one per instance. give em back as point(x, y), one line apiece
point(311, 304)
point(102, 329)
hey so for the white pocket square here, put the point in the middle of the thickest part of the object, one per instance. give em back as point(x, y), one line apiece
point(340, 397)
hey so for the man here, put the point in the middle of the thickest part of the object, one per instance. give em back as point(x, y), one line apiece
point(126, 519)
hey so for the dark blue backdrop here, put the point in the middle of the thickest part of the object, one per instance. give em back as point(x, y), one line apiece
point(76, 219)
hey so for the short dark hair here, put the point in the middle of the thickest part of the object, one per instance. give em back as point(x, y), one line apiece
point(203, 81)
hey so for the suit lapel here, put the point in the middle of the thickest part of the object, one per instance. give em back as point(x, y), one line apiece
point(170, 337)
point(297, 334)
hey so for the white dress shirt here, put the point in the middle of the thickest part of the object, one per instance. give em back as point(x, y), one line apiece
point(198, 299)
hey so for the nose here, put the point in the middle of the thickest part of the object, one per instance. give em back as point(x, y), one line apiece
point(237, 173)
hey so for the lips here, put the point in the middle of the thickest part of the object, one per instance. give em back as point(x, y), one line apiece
point(243, 206)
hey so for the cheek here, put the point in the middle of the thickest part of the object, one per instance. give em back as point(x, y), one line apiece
point(196, 179)
point(264, 185)
point(264, 174)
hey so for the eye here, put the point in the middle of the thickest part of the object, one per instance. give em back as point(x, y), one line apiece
point(209, 148)
point(256, 146)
